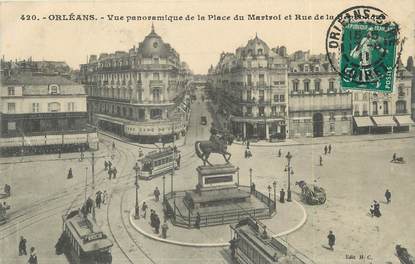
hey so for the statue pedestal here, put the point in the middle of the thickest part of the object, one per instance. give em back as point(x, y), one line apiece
point(217, 175)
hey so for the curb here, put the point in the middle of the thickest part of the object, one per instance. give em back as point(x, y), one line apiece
point(198, 245)
point(134, 143)
point(319, 143)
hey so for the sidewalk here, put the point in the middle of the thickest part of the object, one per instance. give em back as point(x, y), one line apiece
point(331, 140)
point(289, 218)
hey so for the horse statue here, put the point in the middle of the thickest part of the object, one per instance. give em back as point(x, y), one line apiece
point(216, 144)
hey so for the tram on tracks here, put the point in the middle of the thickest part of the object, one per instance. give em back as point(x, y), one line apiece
point(159, 162)
point(82, 241)
point(251, 244)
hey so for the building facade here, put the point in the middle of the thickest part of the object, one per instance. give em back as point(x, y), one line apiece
point(249, 88)
point(384, 113)
point(317, 105)
point(41, 110)
point(137, 93)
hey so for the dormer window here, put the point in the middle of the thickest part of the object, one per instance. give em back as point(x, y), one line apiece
point(156, 60)
point(306, 68)
point(316, 68)
point(260, 51)
point(54, 89)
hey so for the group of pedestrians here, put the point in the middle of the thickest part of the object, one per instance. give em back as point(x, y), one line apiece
point(327, 149)
point(375, 207)
point(100, 198)
point(23, 251)
point(112, 171)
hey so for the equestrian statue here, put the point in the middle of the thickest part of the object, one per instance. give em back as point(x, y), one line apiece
point(215, 144)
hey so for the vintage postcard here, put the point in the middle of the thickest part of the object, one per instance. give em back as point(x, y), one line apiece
point(250, 132)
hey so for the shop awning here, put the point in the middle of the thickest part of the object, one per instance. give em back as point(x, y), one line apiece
point(404, 120)
point(384, 121)
point(363, 121)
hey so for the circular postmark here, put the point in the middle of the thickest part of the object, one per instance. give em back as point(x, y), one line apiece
point(362, 45)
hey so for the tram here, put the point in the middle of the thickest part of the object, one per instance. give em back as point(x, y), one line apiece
point(251, 244)
point(159, 162)
point(82, 241)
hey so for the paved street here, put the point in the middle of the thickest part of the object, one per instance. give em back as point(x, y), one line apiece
point(353, 175)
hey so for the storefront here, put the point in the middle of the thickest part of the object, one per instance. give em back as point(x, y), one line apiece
point(258, 128)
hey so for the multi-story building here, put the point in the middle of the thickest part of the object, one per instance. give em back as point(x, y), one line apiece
point(41, 112)
point(317, 105)
point(249, 88)
point(384, 113)
point(136, 93)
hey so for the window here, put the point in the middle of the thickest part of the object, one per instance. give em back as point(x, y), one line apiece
point(365, 96)
point(385, 108)
point(261, 111)
point(261, 95)
point(331, 85)
point(401, 107)
point(364, 112)
point(306, 68)
point(261, 79)
point(54, 107)
point(306, 86)
point(249, 110)
point(71, 107)
point(295, 85)
point(260, 51)
point(10, 91)
point(317, 85)
point(155, 113)
point(249, 79)
point(156, 95)
point(35, 107)
point(332, 118)
point(11, 107)
point(282, 98)
point(274, 110)
point(375, 108)
point(316, 68)
point(332, 127)
point(276, 98)
point(53, 89)
point(356, 96)
point(156, 60)
point(156, 76)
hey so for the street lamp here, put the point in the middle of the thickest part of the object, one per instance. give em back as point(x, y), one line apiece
point(274, 184)
point(289, 171)
point(237, 174)
point(250, 177)
point(137, 208)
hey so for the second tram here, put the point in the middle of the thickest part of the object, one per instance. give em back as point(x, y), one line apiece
point(159, 162)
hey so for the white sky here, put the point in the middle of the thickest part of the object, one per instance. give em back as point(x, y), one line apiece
point(199, 43)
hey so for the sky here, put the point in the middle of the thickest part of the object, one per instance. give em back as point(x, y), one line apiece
point(199, 43)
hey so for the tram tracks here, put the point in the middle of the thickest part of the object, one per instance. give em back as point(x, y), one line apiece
point(36, 212)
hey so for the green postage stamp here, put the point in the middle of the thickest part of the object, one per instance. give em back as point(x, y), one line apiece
point(368, 56)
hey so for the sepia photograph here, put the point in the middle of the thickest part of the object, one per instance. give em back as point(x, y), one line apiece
point(214, 132)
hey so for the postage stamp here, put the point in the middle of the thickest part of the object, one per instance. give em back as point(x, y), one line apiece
point(362, 46)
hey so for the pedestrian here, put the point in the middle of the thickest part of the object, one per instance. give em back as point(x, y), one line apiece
point(376, 208)
point(252, 188)
point(247, 144)
point(7, 189)
point(282, 196)
point(104, 197)
point(246, 153)
point(178, 160)
point(109, 165)
point(197, 222)
point(114, 172)
point(70, 175)
point(113, 145)
point(140, 153)
point(388, 196)
point(98, 199)
point(33, 257)
point(156, 194)
point(332, 240)
point(279, 153)
point(105, 165)
point(325, 150)
point(232, 247)
point(321, 160)
point(243, 140)
point(164, 229)
point(394, 157)
point(89, 205)
point(109, 173)
point(22, 246)
point(144, 209)
point(152, 218)
point(329, 148)
point(157, 223)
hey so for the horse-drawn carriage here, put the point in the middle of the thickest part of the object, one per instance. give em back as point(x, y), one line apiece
point(312, 194)
point(403, 255)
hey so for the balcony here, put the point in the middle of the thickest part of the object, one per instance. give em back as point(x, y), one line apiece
point(156, 83)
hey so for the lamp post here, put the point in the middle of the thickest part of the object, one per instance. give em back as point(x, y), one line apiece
point(164, 188)
point(289, 171)
point(250, 177)
point(86, 181)
point(274, 184)
point(137, 208)
point(269, 198)
point(237, 175)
